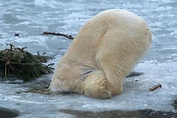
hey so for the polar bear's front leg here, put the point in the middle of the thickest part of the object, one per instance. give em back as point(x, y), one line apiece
point(94, 85)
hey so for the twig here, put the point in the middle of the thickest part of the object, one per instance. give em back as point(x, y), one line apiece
point(11, 46)
point(58, 34)
point(155, 87)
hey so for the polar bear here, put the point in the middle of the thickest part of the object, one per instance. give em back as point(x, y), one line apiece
point(102, 54)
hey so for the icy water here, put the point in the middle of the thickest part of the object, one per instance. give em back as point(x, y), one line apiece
point(30, 18)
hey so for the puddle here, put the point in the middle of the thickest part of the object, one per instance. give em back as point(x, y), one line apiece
point(8, 113)
point(148, 113)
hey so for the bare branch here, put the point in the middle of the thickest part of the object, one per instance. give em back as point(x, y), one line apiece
point(58, 34)
point(155, 87)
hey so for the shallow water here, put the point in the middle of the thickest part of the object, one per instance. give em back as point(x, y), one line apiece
point(30, 18)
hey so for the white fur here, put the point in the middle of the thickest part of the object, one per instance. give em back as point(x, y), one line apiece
point(103, 52)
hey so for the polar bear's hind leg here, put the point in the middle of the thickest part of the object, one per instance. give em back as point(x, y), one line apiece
point(94, 85)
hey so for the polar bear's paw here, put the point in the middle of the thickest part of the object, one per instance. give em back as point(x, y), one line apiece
point(97, 92)
point(95, 86)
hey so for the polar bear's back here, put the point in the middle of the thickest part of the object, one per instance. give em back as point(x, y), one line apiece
point(119, 26)
point(117, 16)
point(120, 21)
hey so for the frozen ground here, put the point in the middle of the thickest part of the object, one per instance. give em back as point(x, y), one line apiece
point(30, 18)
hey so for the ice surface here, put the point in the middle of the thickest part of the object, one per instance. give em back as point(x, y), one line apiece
point(135, 96)
point(31, 18)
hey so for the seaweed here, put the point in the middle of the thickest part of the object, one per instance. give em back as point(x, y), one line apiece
point(17, 63)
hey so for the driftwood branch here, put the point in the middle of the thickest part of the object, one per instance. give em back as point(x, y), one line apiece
point(155, 87)
point(58, 34)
